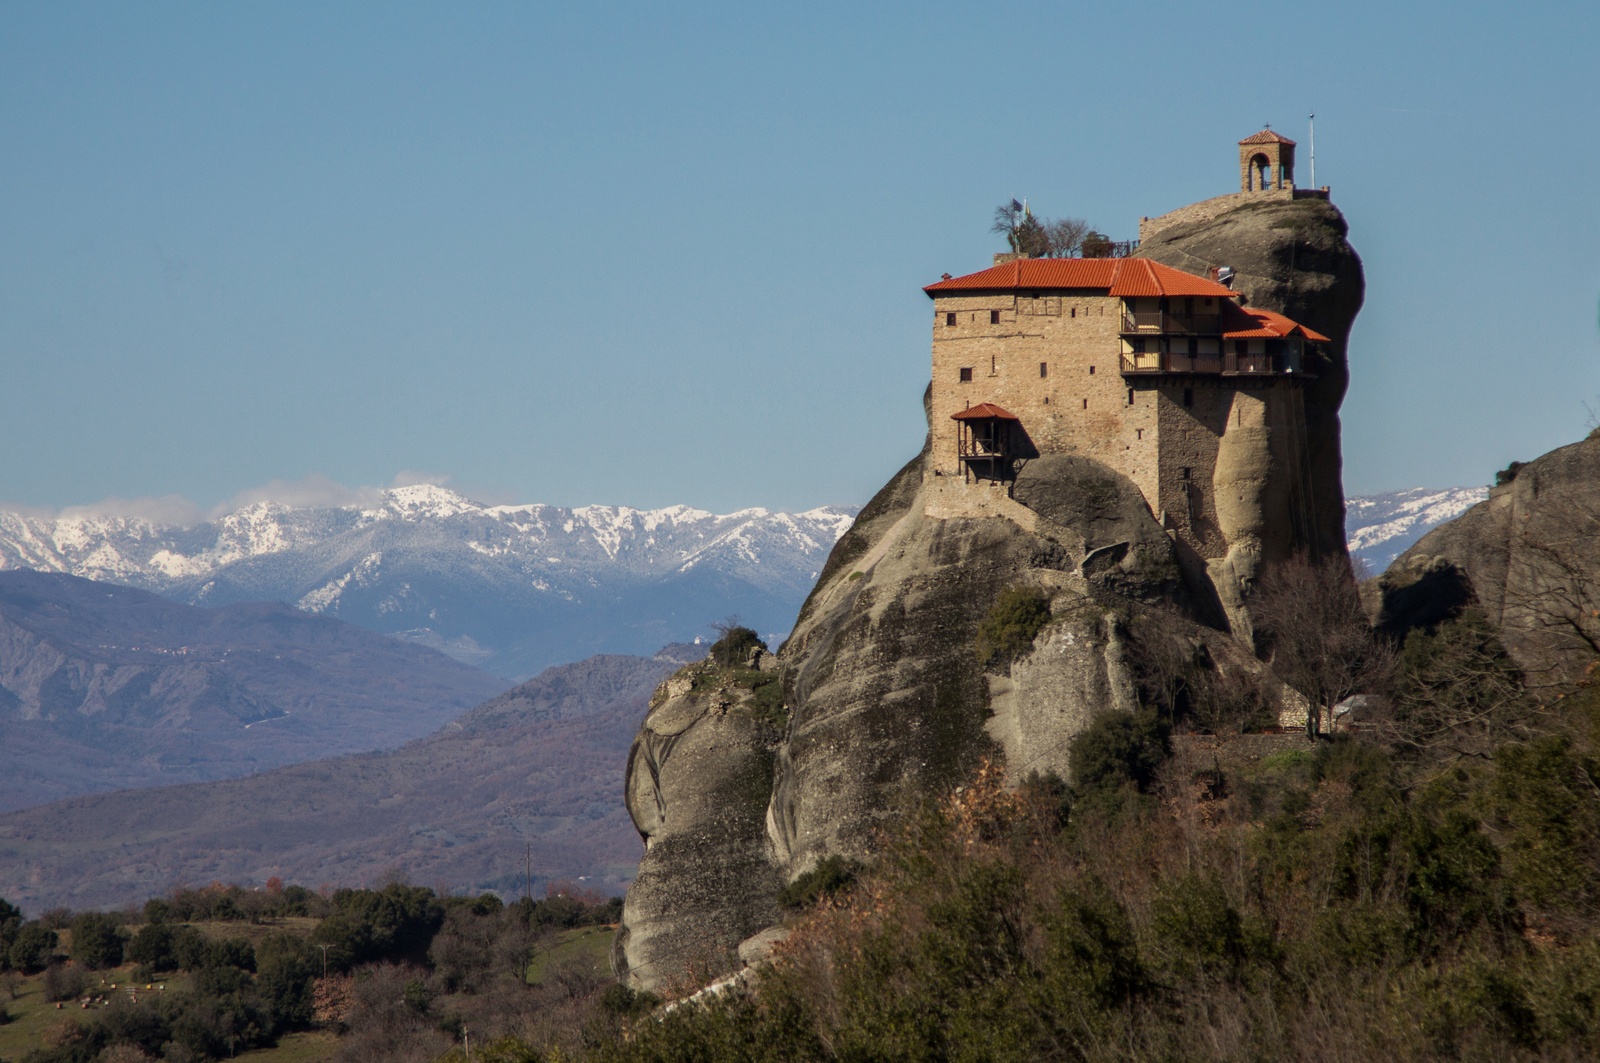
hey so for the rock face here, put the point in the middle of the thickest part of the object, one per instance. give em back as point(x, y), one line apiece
point(885, 700)
point(1526, 556)
point(1290, 256)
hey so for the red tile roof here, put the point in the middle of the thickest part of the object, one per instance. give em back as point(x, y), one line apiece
point(1267, 136)
point(1119, 276)
point(1270, 325)
point(984, 411)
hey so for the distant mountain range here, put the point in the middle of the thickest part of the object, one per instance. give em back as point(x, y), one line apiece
point(1380, 528)
point(536, 772)
point(104, 687)
point(510, 589)
point(514, 589)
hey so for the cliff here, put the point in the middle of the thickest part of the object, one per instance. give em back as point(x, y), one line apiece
point(885, 701)
point(1525, 556)
point(1289, 255)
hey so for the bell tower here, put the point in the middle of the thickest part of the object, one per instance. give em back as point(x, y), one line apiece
point(1266, 162)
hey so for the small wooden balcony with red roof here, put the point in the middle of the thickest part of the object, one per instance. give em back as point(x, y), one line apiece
point(989, 440)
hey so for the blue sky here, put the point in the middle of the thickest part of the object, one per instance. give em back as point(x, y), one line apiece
point(649, 254)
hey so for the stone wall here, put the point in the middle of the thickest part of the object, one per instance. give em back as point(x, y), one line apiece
point(1080, 404)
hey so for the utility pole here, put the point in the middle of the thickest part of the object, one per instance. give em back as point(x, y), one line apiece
point(324, 949)
point(1313, 121)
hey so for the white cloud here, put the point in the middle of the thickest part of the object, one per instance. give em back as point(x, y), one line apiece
point(313, 490)
point(412, 477)
point(161, 509)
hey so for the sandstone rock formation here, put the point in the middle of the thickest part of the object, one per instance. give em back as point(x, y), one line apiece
point(1527, 556)
point(1290, 256)
point(886, 702)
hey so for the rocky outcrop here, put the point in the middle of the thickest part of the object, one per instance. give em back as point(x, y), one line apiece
point(1527, 556)
point(1291, 256)
point(885, 701)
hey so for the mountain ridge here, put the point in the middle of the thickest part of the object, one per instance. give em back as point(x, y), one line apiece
point(511, 588)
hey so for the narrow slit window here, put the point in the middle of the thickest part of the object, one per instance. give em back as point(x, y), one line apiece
point(966, 374)
point(1091, 370)
point(1138, 433)
point(1130, 396)
point(1086, 404)
point(994, 317)
point(1044, 370)
point(1186, 471)
point(1188, 396)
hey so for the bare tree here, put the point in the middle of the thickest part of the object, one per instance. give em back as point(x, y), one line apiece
point(1309, 619)
point(1551, 612)
point(1038, 237)
point(1456, 693)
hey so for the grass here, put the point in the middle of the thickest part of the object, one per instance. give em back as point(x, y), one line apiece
point(306, 1046)
point(583, 944)
point(32, 1016)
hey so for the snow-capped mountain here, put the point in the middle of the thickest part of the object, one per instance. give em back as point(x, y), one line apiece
point(508, 588)
point(1380, 528)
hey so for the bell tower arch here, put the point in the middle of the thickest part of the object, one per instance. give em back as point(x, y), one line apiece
point(1266, 162)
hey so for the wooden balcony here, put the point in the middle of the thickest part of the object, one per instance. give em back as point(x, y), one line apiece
point(1161, 322)
point(1152, 363)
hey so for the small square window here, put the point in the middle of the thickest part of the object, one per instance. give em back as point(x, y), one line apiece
point(966, 374)
point(950, 320)
point(1044, 370)
point(994, 317)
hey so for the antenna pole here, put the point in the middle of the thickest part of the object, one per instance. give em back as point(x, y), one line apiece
point(1313, 120)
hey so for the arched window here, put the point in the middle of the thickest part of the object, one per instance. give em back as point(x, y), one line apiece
point(1260, 173)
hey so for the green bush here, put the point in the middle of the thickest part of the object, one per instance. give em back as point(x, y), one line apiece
point(33, 946)
point(1008, 631)
point(831, 875)
point(96, 941)
point(1119, 749)
point(734, 646)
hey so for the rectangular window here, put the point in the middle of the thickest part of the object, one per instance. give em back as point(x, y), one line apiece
point(1186, 472)
point(1091, 370)
point(966, 374)
point(1044, 370)
point(950, 320)
point(1130, 396)
point(1188, 396)
point(994, 317)
point(1086, 404)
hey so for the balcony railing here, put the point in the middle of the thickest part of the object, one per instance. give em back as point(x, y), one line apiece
point(1213, 364)
point(1156, 322)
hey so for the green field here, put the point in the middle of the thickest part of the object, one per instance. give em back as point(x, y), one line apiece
point(589, 946)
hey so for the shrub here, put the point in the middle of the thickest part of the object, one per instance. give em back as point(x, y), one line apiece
point(33, 946)
point(63, 981)
point(1008, 631)
point(830, 875)
point(733, 648)
point(1119, 749)
point(96, 941)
